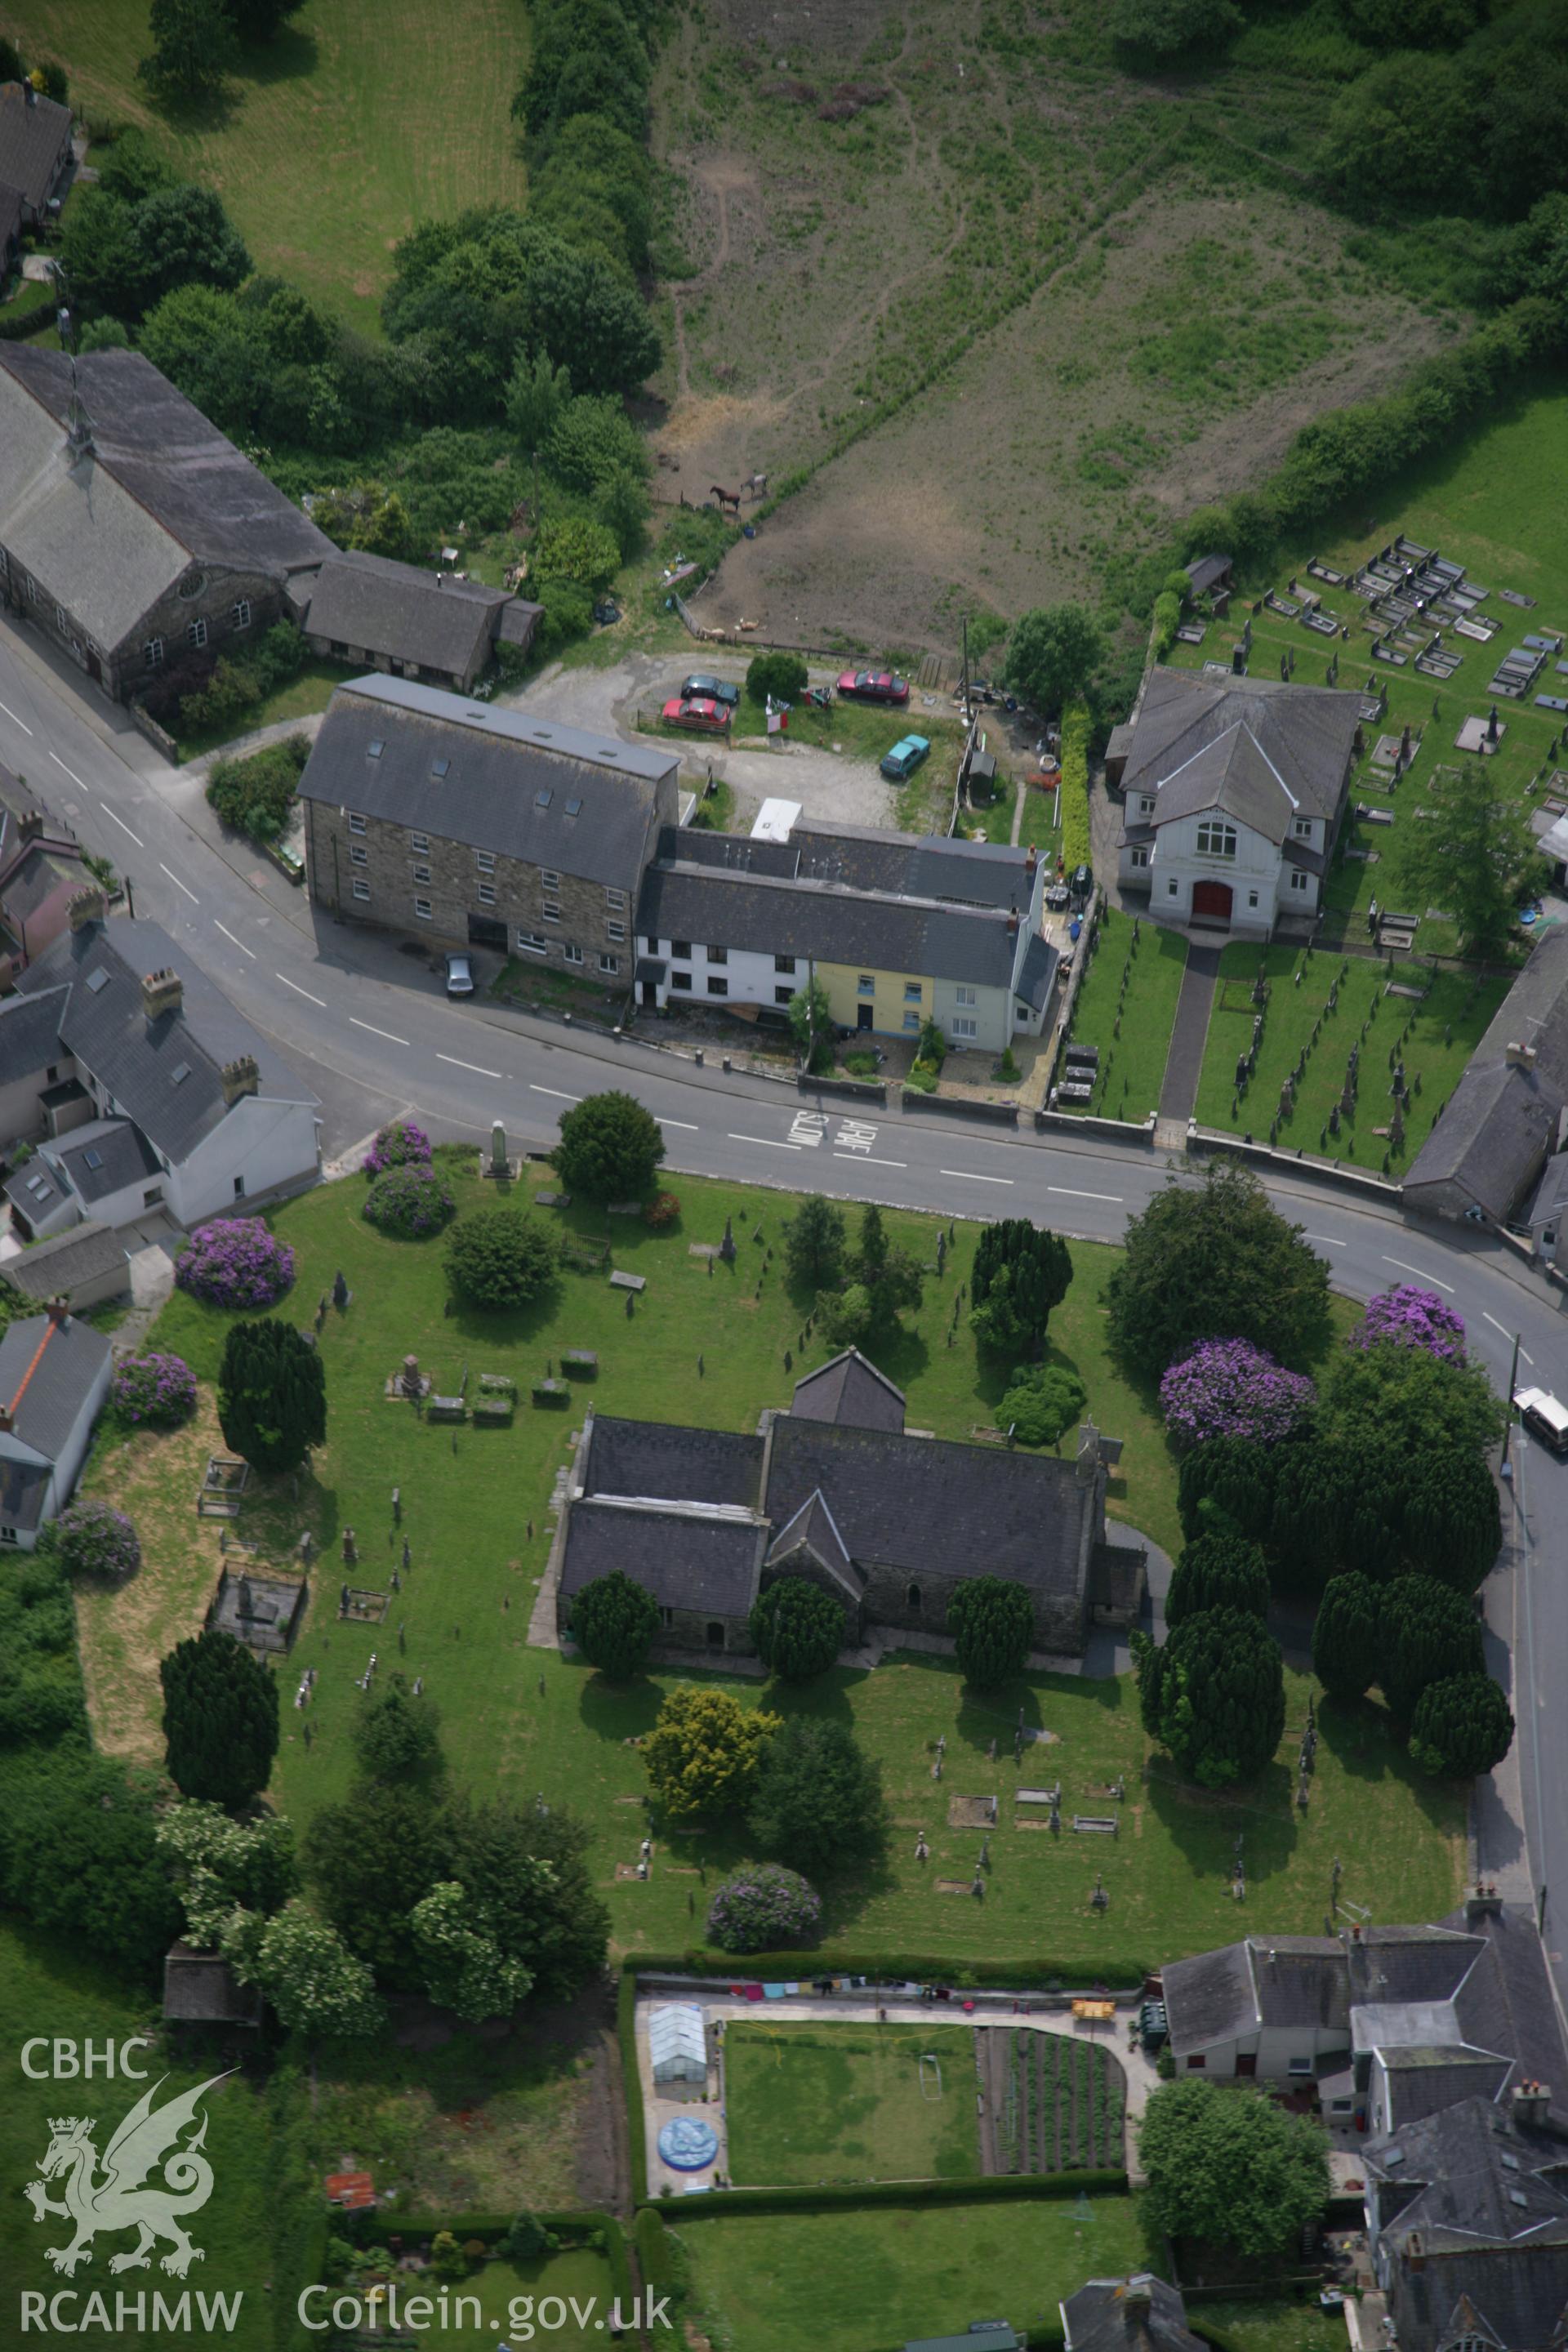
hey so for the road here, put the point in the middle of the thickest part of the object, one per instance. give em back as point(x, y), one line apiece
point(373, 1030)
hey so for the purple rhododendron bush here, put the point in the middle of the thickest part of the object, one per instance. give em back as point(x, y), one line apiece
point(236, 1261)
point(1405, 1317)
point(1228, 1388)
point(157, 1390)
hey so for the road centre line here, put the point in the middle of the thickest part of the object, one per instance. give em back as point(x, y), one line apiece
point(969, 1176)
point(119, 821)
point(251, 953)
point(1327, 1241)
point(71, 772)
point(552, 1091)
point(355, 1024)
point(1508, 1334)
point(471, 1066)
point(301, 991)
point(690, 1124)
point(1066, 1193)
point(771, 1142)
point(868, 1160)
point(1406, 1269)
point(179, 885)
point(15, 720)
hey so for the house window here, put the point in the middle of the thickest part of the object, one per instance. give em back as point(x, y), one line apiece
point(1300, 2066)
point(666, 1618)
point(617, 932)
point(62, 620)
point(783, 996)
point(152, 1197)
point(358, 855)
point(784, 963)
point(240, 613)
point(867, 984)
point(1303, 828)
point(552, 910)
point(152, 653)
point(486, 894)
point(912, 1597)
point(340, 648)
point(718, 987)
point(615, 898)
point(362, 892)
point(1171, 889)
point(484, 860)
point(1299, 878)
point(913, 991)
point(962, 1028)
point(609, 965)
point(1145, 805)
point(1252, 898)
point(356, 823)
point(240, 1188)
point(681, 979)
point(32, 592)
point(912, 1022)
point(962, 996)
point(1140, 859)
point(679, 949)
point(1216, 840)
point(421, 872)
point(7, 1535)
point(572, 954)
point(421, 908)
point(548, 881)
point(419, 842)
point(1196, 2064)
point(715, 1635)
point(532, 943)
point(717, 955)
point(197, 633)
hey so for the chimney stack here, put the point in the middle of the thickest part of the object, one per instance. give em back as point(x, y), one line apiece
point(1032, 860)
point(1136, 2298)
point(1011, 920)
point(1518, 1056)
point(85, 906)
point(1530, 2104)
point(30, 825)
point(57, 1309)
point(162, 991)
point(1483, 1902)
point(240, 1079)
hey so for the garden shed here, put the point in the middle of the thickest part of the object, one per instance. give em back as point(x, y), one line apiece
point(676, 2043)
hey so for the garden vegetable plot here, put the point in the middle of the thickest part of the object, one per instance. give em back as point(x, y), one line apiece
point(1051, 2102)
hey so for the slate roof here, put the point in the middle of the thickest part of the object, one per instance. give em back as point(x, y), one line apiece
point(201, 1988)
point(104, 1157)
point(30, 1034)
point(136, 1059)
point(814, 1525)
point(1294, 739)
point(1424, 2081)
point(849, 1388)
point(1234, 774)
point(688, 1558)
point(56, 1266)
point(1551, 1194)
point(399, 610)
point(1037, 972)
point(47, 1369)
point(31, 140)
point(1491, 1133)
point(108, 532)
point(532, 789)
point(664, 1459)
point(1392, 1964)
point(1140, 2313)
point(772, 916)
point(1288, 1981)
point(10, 217)
point(1206, 571)
point(918, 1504)
point(1472, 2207)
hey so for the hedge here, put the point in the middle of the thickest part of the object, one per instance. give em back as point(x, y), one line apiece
point(31, 321)
point(1120, 1971)
point(664, 2273)
point(1077, 847)
point(631, 2078)
point(1102, 2181)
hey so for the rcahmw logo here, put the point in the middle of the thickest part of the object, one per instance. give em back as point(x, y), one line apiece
point(151, 2177)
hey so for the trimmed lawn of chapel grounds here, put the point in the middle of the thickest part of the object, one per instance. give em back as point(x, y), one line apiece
point(526, 1721)
point(836, 2102)
point(1132, 1028)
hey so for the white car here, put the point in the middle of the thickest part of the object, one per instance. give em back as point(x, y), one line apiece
point(1543, 1417)
point(459, 975)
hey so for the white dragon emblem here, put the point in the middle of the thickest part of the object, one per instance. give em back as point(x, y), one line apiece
point(146, 2138)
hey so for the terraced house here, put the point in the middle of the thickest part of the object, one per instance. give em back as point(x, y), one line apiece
point(473, 826)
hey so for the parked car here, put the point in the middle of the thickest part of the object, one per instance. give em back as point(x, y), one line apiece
point(712, 690)
point(874, 685)
point(905, 757)
point(1543, 1417)
point(1081, 886)
point(698, 712)
point(459, 975)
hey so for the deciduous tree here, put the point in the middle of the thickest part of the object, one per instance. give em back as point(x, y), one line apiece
point(1161, 29)
point(220, 1865)
point(1215, 1262)
point(1053, 653)
point(813, 1245)
point(1041, 1403)
point(500, 1258)
point(220, 1719)
point(465, 1966)
point(610, 1147)
point(819, 1797)
point(303, 1968)
point(397, 1738)
point(1476, 857)
point(77, 1855)
point(1228, 2168)
point(703, 1752)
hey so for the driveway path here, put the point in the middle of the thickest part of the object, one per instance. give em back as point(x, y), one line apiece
point(1180, 1091)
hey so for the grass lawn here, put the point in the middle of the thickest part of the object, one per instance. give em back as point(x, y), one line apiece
point(336, 138)
point(1445, 1027)
point(840, 2281)
point(303, 697)
point(48, 1988)
point(1282, 2326)
point(510, 2295)
point(809, 2104)
point(1039, 825)
point(1133, 1032)
point(520, 1719)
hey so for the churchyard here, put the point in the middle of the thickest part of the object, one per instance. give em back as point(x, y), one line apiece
point(1127, 1005)
point(473, 1504)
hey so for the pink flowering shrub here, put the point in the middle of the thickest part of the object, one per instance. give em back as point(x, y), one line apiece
point(91, 1538)
point(157, 1391)
point(395, 1146)
point(1228, 1388)
point(410, 1200)
point(763, 1909)
point(1412, 1319)
point(236, 1261)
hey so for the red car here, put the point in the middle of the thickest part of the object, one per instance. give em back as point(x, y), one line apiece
point(874, 685)
point(700, 712)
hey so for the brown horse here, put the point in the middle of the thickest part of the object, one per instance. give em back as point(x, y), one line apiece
point(728, 500)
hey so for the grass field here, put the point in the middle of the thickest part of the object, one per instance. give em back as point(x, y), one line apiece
point(353, 125)
point(808, 2104)
point(840, 2281)
point(303, 697)
point(1131, 1030)
point(509, 2294)
point(1444, 1029)
point(474, 1511)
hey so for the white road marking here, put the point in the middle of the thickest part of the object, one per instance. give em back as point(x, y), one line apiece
point(1327, 1241)
point(555, 1091)
point(375, 1032)
point(970, 1175)
point(1066, 1193)
point(468, 1065)
point(251, 953)
point(869, 1160)
point(1415, 1270)
point(1508, 1334)
point(15, 720)
point(690, 1124)
point(301, 991)
point(71, 771)
point(771, 1141)
point(108, 812)
point(181, 886)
